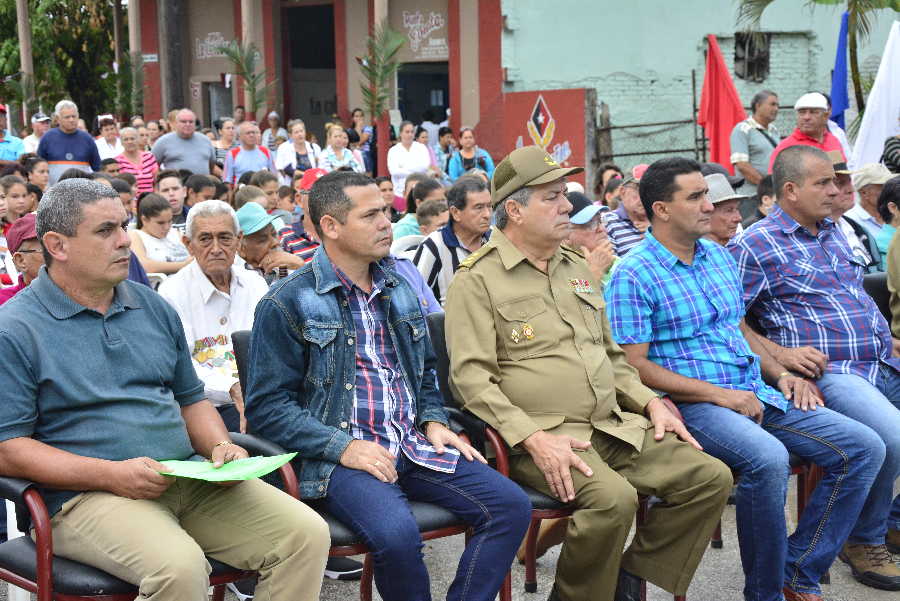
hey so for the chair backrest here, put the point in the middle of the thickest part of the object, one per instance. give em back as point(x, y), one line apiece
point(156, 279)
point(240, 343)
point(876, 285)
point(439, 343)
point(405, 243)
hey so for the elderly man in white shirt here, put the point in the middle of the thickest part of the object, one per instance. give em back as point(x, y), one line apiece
point(215, 296)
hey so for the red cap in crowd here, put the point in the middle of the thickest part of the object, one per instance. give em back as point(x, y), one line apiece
point(310, 176)
point(21, 230)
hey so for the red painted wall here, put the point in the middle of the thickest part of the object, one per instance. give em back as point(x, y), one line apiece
point(490, 77)
point(558, 128)
point(150, 45)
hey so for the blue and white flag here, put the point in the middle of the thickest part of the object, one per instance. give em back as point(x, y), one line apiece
point(839, 100)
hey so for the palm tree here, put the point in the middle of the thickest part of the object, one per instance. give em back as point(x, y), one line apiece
point(859, 25)
point(245, 58)
point(379, 66)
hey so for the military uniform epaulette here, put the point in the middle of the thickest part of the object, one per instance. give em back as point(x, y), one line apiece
point(476, 256)
point(571, 249)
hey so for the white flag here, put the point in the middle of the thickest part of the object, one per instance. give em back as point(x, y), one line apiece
point(880, 120)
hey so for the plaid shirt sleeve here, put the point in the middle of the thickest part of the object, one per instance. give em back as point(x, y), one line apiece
point(629, 310)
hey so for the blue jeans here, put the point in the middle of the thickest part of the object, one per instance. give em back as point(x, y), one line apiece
point(493, 505)
point(850, 454)
point(879, 408)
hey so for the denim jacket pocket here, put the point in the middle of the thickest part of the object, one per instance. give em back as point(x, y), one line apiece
point(321, 352)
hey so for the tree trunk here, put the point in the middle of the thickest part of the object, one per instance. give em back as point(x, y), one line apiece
point(854, 63)
point(25, 59)
point(384, 143)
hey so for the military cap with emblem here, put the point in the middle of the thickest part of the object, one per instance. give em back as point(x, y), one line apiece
point(526, 166)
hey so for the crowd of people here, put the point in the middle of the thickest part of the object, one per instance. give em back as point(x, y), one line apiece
point(570, 315)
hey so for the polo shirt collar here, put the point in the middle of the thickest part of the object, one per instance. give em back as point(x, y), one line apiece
point(753, 122)
point(808, 140)
point(666, 257)
point(789, 225)
point(61, 306)
point(450, 239)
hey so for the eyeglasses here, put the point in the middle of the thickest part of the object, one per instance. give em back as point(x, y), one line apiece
point(27, 252)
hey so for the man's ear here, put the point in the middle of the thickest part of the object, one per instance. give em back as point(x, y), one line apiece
point(330, 227)
point(57, 245)
point(660, 211)
point(19, 261)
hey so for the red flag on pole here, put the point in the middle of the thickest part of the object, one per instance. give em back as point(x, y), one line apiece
point(720, 106)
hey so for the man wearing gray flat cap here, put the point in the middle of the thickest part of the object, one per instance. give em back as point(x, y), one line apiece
point(725, 220)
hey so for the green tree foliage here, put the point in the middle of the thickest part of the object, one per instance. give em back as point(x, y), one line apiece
point(247, 62)
point(72, 45)
point(378, 68)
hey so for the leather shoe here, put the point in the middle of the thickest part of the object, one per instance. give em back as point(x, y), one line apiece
point(628, 588)
point(791, 595)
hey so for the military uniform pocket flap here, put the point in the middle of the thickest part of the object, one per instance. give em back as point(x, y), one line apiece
point(547, 421)
point(522, 309)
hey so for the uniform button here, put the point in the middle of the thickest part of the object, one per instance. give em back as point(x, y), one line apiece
point(223, 320)
point(349, 342)
point(343, 424)
point(348, 386)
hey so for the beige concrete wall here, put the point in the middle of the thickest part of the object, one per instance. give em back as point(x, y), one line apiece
point(357, 34)
point(210, 23)
point(468, 58)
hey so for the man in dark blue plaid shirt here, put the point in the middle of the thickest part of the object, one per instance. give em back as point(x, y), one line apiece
point(804, 285)
point(675, 308)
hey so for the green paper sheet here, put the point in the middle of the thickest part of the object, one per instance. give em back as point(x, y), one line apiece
point(239, 469)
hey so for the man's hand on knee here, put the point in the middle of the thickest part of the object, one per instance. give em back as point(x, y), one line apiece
point(553, 455)
point(372, 458)
point(139, 478)
point(664, 421)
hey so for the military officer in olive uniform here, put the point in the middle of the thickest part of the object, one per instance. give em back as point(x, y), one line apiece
point(532, 355)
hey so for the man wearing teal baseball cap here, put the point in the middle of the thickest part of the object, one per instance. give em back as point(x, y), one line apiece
point(259, 245)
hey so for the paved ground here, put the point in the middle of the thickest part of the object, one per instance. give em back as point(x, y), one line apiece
point(718, 579)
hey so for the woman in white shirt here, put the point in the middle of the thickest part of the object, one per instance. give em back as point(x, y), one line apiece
point(108, 144)
point(407, 157)
point(297, 154)
point(157, 245)
point(337, 154)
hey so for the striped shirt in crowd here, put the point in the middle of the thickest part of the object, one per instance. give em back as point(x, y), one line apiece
point(384, 409)
point(438, 257)
point(297, 242)
point(143, 173)
point(621, 231)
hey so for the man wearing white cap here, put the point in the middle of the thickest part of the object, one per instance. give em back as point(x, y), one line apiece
point(725, 220)
point(812, 127)
point(868, 182)
point(40, 123)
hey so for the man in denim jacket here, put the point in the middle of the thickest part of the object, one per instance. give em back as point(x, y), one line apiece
point(343, 373)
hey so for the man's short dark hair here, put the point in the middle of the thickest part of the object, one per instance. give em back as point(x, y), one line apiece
point(443, 131)
point(120, 186)
point(458, 194)
point(128, 178)
point(62, 207)
point(197, 182)
point(163, 174)
point(790, 165)
point(328, 196)
point(108, 161)
point(759, 98)
point(765, 187)
point(74, 173)
point(889, 193)
point(658, 182)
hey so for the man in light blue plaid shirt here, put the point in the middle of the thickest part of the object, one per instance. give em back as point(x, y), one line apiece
point(675, 307)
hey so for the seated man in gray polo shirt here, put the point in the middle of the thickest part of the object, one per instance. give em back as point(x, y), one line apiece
point(98, 388)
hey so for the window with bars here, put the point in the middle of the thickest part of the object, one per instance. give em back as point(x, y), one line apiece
point(751, 55)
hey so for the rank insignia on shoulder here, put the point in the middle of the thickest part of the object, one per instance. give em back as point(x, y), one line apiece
point(581, 285)
point(515, 336)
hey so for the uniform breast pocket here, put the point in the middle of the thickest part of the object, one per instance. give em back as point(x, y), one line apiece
point(320, 369)
point(592, 307)
point(525, 327)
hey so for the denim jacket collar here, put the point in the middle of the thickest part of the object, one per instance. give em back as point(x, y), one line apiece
point(327, 280)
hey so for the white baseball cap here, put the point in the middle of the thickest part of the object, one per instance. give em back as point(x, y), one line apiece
point(812, 100)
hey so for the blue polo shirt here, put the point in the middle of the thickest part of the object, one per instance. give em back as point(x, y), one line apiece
point(107, 386)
